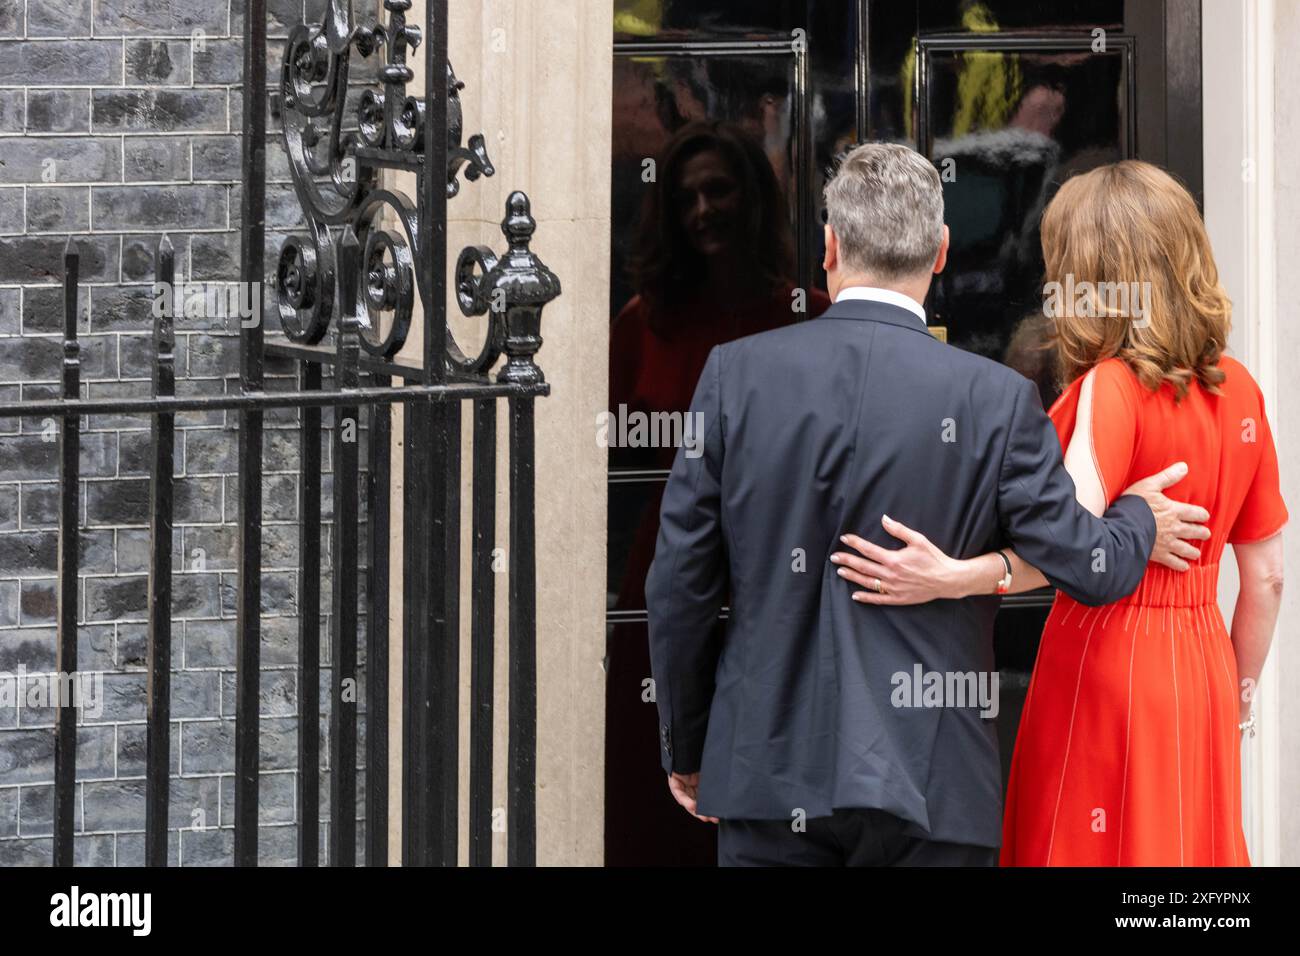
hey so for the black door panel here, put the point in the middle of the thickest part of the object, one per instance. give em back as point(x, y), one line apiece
point(1007, 98)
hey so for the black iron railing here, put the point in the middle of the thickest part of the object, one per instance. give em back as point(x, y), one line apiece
point(359, 282)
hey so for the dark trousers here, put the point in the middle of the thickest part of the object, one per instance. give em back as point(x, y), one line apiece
point(849, 837)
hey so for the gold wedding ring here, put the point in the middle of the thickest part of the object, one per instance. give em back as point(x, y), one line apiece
point(877, 586)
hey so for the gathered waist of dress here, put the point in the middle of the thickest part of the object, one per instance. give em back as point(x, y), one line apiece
point(1165, 587)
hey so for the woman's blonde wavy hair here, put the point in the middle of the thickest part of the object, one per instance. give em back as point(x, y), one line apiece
point(1131, 222)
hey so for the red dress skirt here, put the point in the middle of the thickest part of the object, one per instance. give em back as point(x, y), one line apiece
point(1128, 752)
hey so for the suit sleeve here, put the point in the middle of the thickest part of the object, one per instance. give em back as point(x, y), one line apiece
point(1094, 560)
point(686, 586)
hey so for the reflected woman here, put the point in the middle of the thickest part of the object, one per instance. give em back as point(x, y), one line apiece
point(714, 262)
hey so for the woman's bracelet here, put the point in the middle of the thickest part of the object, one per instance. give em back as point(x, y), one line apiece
point(1248, 725)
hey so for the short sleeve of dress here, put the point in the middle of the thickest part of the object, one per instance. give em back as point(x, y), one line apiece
point(1115, 422)
point(1263, 512)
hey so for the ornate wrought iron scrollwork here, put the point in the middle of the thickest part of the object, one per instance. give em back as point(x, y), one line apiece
point(474, 155)
point(335, 160)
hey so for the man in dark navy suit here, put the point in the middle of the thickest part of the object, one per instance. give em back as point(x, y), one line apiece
point(785, 728)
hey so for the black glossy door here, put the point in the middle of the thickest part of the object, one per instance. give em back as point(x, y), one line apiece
point(1008, 99)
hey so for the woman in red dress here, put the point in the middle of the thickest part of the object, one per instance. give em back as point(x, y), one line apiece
point(1128, 751)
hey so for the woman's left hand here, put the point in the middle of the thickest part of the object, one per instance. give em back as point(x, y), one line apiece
point(915, 574)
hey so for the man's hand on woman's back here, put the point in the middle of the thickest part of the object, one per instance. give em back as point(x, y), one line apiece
point(1176, 522)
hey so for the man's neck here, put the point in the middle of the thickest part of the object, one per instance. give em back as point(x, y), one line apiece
point(916, 290)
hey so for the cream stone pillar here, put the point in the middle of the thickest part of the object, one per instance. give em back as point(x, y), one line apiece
point(538, 77)
point(1251, 63)
point(1284, 33)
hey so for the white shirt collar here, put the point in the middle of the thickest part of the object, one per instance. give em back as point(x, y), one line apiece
point(889, 296)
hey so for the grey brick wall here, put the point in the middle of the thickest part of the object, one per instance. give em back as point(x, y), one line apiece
point(119, 121)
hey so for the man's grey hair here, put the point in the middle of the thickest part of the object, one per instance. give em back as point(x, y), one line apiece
point(885, 203)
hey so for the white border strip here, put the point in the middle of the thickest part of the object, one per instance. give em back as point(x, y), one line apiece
point(1238, 88)
point(1261, 768)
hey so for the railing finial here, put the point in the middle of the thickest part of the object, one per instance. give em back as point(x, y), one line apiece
point(528, 285)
